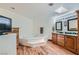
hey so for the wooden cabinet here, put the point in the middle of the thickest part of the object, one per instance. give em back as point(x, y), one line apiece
point(54, 38)
point(70, 43)
point(60, 40)
point(78, 32)
point(78, 45)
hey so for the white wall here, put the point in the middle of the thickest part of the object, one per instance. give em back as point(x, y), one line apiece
point(25, 24)
point(42, 23)
point(28, 27)
point(8, 42)
point(37, 24)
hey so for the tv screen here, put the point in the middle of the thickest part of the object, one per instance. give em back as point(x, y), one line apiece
point(5, 24)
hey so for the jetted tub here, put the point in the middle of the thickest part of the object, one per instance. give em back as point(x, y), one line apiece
point(34, 41)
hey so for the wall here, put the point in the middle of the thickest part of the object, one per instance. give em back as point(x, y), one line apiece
point(28, 27)
point(8, 42)
point(42, 23)
point(25, 24)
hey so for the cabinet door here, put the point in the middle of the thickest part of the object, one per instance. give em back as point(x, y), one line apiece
point(70, 43)
point(78, 45)
point(60, 40)
point(54, 39)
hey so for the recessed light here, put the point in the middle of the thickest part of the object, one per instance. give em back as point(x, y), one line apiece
point(12, 8)
point(50, 4)
point(61, 9)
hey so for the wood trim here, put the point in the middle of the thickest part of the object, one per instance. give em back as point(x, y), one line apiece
point(78, 32)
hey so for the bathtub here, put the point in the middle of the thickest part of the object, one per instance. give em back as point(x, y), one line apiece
point(34, 41)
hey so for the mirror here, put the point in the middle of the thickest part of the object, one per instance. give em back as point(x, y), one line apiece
point(72, 24)
point(59, 25)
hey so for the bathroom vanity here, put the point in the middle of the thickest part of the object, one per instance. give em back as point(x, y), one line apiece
point(67, 41)
point(67, 32)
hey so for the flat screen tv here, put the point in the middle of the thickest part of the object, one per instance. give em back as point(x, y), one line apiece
point(5, 24)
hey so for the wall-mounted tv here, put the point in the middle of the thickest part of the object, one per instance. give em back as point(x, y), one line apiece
point(72, 25)
point(5, 24)
point(59, 25)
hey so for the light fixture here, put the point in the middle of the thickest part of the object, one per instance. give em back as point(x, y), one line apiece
point(61, 9)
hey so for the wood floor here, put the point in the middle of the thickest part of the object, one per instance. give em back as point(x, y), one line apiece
point(48, 49)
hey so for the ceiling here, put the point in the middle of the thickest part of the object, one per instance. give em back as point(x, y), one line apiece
point(35, 10)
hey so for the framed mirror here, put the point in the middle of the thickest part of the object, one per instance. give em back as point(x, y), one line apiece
point(59, 25)
point(72, 24)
